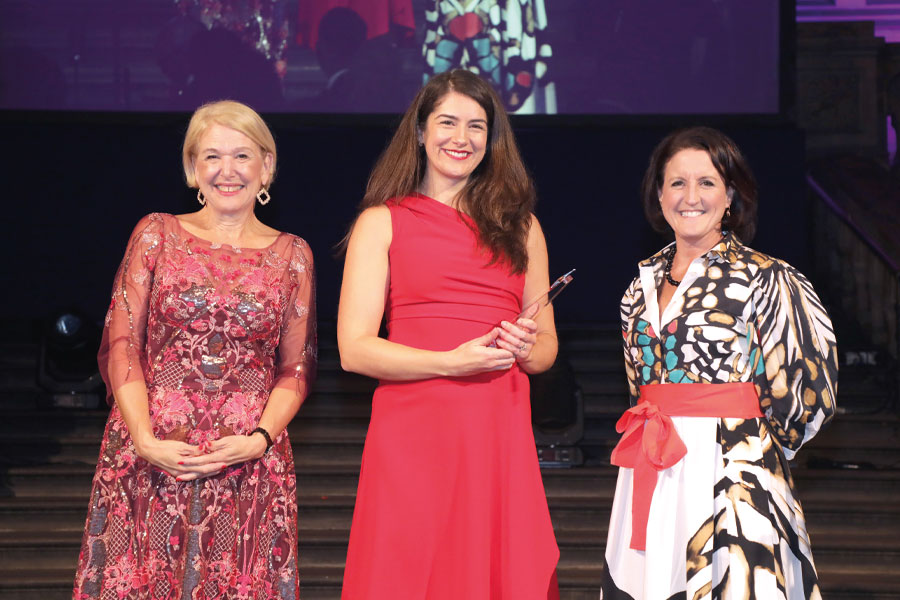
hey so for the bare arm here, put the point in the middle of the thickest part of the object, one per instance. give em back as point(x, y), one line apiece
point(538, 335)
point(363, 295)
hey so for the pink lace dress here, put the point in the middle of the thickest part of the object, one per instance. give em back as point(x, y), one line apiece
point(211, 330)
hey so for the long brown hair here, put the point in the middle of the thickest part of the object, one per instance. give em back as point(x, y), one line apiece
point(499, 195)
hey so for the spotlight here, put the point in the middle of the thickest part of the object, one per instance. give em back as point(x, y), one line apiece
point(67, 365)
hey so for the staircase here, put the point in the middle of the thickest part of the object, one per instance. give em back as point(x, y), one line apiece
point(848, 478)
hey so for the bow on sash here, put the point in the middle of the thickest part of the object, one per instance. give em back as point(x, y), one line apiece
point(649, 444)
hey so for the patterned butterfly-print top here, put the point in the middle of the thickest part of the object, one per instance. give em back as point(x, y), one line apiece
point(737, 316)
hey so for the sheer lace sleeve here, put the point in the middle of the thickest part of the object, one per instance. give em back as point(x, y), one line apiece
point(122, 357)
point(797, 372)
point(296, 367)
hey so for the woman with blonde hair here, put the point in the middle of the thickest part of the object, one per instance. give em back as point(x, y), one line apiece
point(450, 502)
point(208, 351)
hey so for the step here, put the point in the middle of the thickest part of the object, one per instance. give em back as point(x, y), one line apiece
point(48, 542)
point(316, 583)
point(576, 583)
point(816, 487)
point(67, 427)
point(315, 485)
point(329, 507)
point(317, 421)
point(314, 453)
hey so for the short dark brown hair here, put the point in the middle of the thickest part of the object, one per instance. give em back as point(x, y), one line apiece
point(731, 165)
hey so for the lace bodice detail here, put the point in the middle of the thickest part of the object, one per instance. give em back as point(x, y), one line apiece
point(188, 314)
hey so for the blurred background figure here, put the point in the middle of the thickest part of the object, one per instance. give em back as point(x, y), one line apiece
point(380, 16)
point(357, 49)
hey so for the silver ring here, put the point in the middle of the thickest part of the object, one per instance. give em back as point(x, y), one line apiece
point(522, 347)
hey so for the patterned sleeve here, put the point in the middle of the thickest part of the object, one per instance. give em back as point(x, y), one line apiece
point(629, 301)
point(122, 357)
point(797, 374)
point(297, 347)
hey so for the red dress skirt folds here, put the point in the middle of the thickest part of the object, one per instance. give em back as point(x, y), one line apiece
point(450, 503)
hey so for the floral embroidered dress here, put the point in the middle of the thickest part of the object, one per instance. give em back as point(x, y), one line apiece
point(211, 330)
point(723, 520)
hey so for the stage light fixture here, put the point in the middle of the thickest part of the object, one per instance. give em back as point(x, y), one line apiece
point(557, 415)
point(67, 364)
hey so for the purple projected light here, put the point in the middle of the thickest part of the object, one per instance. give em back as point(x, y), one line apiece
point(370, 56)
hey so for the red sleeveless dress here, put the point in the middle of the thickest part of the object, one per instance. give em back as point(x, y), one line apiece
point(450, 502)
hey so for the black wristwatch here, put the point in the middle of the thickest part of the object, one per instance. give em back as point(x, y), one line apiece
point(265, 434)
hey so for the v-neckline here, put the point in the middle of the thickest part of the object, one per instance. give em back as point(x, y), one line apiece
point(653, 310)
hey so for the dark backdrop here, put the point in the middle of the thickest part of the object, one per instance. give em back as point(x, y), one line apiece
point(79, 183)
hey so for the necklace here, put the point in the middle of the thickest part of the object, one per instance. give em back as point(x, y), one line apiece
point(670, 255)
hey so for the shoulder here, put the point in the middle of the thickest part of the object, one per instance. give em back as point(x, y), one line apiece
point(400, 205)
point(372, 231)
point(773, 280)
point(150, 229)
point(301, 259)
point(535, 233)
point(373, 220)
point(297, 245)
point(631, 291)
point(760, 265)
point(292, 248)
point(154, 220)
point(654, 258)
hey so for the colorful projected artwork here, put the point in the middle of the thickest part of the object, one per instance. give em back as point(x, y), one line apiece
point(497, 39)
point(574, 57)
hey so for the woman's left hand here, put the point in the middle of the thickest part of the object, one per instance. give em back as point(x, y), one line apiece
point(518, 338)
point(228, 450)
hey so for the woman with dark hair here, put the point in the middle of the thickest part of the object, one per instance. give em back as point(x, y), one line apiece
point(450, 502)
point(704, 504)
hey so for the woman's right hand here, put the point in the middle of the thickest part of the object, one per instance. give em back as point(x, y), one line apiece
point(168, 454)
point(479, 356)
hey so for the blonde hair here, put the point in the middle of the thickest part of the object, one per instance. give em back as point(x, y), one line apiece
point(233, 115)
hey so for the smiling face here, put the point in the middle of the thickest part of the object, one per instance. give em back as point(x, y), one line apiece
point(230, 168)
point(693, 198)
point(455, 136)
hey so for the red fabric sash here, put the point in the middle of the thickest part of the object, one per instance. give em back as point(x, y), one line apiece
point(650, 443)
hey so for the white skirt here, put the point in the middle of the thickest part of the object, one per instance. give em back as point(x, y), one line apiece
point(723, 522)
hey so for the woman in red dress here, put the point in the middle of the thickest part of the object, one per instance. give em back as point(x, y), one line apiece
point(208, 351)
point(450, 502)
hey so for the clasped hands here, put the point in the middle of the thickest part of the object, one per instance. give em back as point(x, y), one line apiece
point(187, 462)
point(500, 348)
